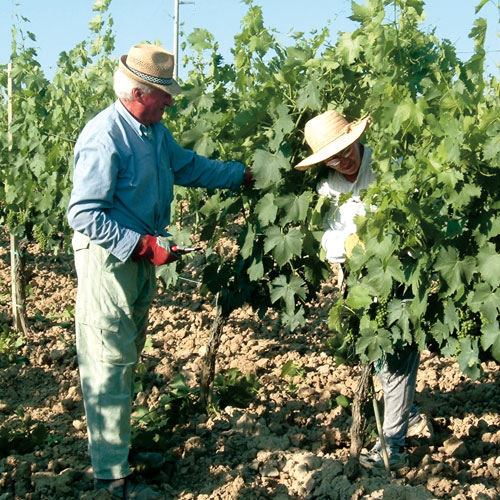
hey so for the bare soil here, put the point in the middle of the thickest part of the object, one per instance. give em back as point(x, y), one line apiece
point(290, 442)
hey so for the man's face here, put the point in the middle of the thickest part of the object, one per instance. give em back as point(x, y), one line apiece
point(348, 161)
point(154, 105)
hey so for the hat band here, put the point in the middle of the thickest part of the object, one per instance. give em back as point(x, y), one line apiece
point(152, 79)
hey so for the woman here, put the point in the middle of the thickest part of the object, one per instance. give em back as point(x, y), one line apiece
point(335, 143)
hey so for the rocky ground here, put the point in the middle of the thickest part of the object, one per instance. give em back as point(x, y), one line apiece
point(290, 442)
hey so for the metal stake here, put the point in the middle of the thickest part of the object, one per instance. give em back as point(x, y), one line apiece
point(383, 446)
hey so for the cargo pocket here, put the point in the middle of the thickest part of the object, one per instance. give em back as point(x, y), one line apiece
point(102, 335)
point(118, 347)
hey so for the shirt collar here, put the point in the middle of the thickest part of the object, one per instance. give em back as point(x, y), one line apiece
point(365, 162)
point(139, 128)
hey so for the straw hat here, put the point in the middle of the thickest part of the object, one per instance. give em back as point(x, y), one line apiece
point(152, 65)
point(328, 134)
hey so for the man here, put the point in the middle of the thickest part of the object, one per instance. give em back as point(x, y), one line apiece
point(126, 163)
point(335, 143)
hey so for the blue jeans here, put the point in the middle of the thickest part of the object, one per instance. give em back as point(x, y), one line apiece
point(111, 317)
point(398, 377)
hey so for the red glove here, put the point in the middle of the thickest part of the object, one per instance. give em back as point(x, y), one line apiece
point(248, 176)
point(149, 249)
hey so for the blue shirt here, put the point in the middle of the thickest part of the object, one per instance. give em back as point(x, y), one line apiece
point(123, 179)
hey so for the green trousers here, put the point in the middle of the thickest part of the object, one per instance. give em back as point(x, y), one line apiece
point(112, 307)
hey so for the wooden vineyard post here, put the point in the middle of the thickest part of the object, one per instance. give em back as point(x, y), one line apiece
point(18, 285)
point(208, 364)
point(16, 249)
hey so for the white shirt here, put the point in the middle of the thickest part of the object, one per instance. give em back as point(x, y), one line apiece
point(339, 221)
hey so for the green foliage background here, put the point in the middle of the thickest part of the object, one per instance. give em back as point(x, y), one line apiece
point(432, 226)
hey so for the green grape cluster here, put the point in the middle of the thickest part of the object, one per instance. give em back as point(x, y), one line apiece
point(342, 344)
point(379, 312)
point(11, 219)
point(15, 219)
point(484, 320)
point(349, 335)
point(42, 236)
point(469, 322)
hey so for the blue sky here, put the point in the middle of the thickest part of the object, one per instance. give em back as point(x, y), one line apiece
point(153, 20)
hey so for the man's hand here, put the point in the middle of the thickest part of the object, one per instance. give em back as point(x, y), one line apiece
point(149, 249)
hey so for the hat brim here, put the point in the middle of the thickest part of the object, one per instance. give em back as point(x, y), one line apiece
point(356, 130)
point(173, 89)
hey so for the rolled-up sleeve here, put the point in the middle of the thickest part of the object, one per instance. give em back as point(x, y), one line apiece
point(123, 179)
point(191, 169)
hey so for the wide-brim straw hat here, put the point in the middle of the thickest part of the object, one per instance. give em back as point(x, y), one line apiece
point(152, 65)
point(329, 133)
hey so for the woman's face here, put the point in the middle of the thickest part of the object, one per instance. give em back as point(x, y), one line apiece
point(348, 161)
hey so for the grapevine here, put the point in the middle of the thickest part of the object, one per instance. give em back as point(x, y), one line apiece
point(432, 225)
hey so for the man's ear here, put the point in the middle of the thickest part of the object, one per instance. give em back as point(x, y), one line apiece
point(137, 93)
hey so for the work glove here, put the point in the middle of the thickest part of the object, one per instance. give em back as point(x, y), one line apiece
point(148, 248)
point(248, 176)
point(351, 242)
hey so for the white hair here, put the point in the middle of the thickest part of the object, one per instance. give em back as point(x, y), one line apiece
point(124, 86)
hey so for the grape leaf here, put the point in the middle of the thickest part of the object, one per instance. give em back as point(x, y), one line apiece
point(489, 264)
point(490, 339)
point(371, 345)
point(267, 168)
point(283, 245)
point(454, 271)
point(266, 209)
point(468, 359)
point(287, 290)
